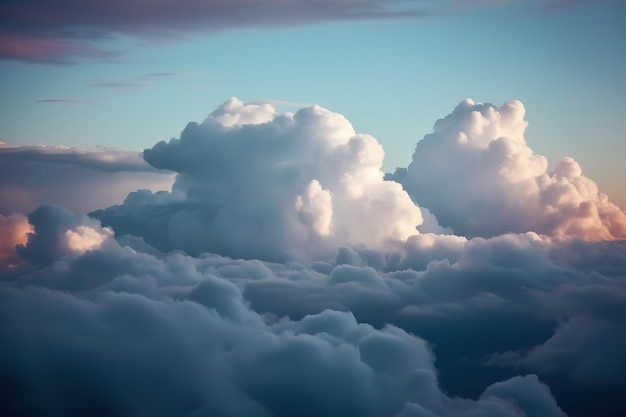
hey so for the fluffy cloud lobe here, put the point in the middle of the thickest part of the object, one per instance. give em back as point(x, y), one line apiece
point(58, 233)
point(476, 173)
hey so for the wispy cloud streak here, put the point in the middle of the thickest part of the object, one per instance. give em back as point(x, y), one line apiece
point(64, 100)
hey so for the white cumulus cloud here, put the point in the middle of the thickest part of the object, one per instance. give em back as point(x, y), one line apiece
point(478, 175)
point(255, 182)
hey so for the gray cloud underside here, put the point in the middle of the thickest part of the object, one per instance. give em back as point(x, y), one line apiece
point(108, 331)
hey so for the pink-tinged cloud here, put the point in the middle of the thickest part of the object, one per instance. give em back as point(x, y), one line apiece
point(14, 231)
point(43, 49)
point(84, 238)
point(54, 32)
point(50, 31)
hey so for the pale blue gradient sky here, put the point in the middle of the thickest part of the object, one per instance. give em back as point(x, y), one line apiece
point(390, 78)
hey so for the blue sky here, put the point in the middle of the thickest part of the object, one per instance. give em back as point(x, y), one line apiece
point(391, 78)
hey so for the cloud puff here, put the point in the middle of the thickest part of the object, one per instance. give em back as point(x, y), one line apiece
point(58, 232)
point(107, 331)
point(80, 179)
point(476, 173)
point(256, 183)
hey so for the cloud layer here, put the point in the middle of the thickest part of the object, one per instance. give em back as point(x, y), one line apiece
point(121, 321)
point(111, 330)
point(37, 31)
point(282, 275)
point(80, 179)
point(40, 32)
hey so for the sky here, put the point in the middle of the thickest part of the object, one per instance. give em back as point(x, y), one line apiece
point(294, 208)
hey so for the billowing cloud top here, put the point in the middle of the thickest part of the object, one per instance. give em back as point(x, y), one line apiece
point(257, 183)
point(476, 173)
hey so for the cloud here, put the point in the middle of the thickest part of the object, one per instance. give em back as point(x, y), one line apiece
point(14, 230)
point(585, 349)
point(491, 308)
point(69, 31)
point(590, 334)
point(282, 275)
point(118, 84)
point(478, 176)
point(561, 4)
point(282, 103)
point(58, 233)
point(256, 183)
point(81, 179)
point(16, 45)
point(64, 100)
point(143, 80)
point(108, 330)
point(40, 32)
point(162, 74)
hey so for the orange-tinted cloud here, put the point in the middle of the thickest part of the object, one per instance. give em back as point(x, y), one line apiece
point(14, 231)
